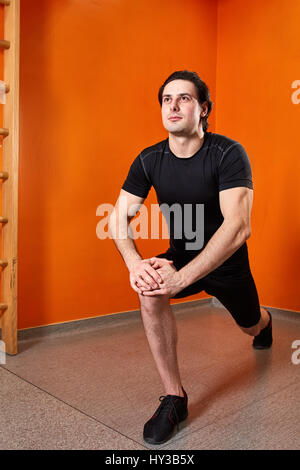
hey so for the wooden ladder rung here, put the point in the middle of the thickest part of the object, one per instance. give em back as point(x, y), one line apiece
point(3, 263)
point(3, 307)
point(7, 88)
point(4, 132)
point(4, 175)
point(4, 44)
point(10, 39)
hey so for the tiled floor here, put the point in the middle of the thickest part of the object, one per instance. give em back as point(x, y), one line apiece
point(94, 385)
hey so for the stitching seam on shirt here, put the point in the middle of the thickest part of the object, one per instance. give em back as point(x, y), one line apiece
point(239, 181)
point(165, 151)
point(211, 145)
point(202, 148)
point(143, 165)
point(153, 151)
point(227, 150)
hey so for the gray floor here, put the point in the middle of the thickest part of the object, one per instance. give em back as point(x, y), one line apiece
point(93, 384)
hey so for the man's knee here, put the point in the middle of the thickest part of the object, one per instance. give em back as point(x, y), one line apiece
point(153, 303)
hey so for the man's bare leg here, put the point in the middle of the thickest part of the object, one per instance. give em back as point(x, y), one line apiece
point(161, 331)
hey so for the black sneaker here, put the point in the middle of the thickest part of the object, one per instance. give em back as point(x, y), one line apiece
point(264, 339)
point(171, 411)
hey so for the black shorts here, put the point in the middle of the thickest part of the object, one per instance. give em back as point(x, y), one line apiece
point(233, 286)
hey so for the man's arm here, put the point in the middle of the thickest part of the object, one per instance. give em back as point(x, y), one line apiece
point(141, 270)
point(118, 226)
point(235, 205)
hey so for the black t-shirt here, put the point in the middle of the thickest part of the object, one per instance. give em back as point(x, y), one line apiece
point(193, 184)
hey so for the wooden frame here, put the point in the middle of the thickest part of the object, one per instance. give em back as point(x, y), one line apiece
point(9, 176)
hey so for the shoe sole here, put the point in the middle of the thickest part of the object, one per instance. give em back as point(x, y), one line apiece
point(262, 347)
point(180, 425)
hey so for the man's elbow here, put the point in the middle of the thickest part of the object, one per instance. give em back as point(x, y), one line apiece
point(247, 231)
point(112, 224)
point(243, 231)
point(118, 225)
point(243, 226)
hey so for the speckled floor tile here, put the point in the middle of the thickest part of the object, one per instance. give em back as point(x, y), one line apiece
point(31, 419)
point(272, 423)
point(109, 373)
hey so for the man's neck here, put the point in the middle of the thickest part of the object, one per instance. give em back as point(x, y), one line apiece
point(186, 146)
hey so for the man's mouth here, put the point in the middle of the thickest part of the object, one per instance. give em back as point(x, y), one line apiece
point(174, 118)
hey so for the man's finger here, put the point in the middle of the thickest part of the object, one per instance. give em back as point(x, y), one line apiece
point(153, 273)
point(146, 288)
point(136, 289)
point(159, 259)
point(155, 265)
point(143, 281)
point(155, 292)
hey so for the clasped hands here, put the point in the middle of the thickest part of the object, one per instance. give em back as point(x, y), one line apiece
point(155, 276)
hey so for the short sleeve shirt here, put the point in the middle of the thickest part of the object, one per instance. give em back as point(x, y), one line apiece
point(193, 184)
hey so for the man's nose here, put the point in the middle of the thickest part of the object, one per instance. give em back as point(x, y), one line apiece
point(175, 104)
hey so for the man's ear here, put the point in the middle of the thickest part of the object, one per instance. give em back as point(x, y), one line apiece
point(204, 109)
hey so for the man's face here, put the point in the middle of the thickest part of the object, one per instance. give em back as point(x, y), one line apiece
point(180, 99)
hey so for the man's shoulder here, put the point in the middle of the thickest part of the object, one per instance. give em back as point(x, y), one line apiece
point(155, 148)
point(222, 142)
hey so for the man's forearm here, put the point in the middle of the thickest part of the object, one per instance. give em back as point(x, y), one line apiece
point(118, 229)
point(128, 251)
point(225, 241)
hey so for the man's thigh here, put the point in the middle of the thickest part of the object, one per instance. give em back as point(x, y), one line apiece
point(237, 293)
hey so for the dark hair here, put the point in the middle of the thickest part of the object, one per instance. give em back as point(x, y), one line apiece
point(201, 87)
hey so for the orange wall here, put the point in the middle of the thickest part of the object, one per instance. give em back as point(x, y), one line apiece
point(89, 78)
point(257, 61)
point(90, 73)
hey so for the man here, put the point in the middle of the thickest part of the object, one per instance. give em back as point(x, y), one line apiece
point(192, 167)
